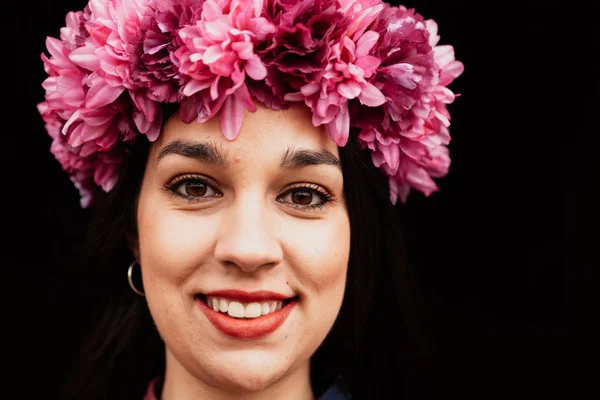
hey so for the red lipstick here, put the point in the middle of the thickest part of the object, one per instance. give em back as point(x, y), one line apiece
point(250, 328)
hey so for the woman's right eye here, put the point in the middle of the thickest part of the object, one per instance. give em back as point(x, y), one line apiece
point(192, 188)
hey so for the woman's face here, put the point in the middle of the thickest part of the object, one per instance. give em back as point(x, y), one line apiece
point(240, 225)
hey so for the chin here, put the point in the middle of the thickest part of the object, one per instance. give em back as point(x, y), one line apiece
point(248, 381)
point(250, 374)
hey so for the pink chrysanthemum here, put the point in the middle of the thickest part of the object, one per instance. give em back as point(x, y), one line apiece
point(152, 62)
point(216, 55)
point(87, 172)
point(408, 138)
point(300, 46)
point(346, 77)
point(114, 29)
point(362, 13)
point(86, 91)
point(73, 34)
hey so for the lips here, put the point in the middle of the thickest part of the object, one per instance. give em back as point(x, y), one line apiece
point(247, 328)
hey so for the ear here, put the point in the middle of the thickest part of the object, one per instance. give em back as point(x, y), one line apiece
point(133, 244)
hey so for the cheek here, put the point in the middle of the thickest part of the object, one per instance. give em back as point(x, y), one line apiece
point(319, 252)
point(172, 245)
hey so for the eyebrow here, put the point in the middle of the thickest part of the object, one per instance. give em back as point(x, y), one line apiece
point(299, 158)
point(204, 152)
point(209, 153)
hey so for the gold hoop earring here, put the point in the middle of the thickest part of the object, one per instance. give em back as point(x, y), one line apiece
point(130, 279)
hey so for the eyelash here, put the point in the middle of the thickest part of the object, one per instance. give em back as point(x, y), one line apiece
point(325, 196)
point(174, 184)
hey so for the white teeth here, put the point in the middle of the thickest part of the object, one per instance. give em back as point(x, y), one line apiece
point(238, 309)
point(235, 309)
point(265, 309)
point(253, 310)
point(223, 305)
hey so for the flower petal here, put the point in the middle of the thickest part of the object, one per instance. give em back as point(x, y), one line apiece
point(255, 69)
point(145, 104)
point(194, 86)
point(392, 156)
point(310, 88)
point(211, 10)
point(232, 116)
point(418, 178)
point(57, 51)
point(244, 50)
point(243, 95)
point(371, 96)
point(85, 57)
point(212, 54)
point(101, 94)
point(339, 128)
point(188, 109)
point(93, 132)
point(349, 89)
point(258, 6)
point(368, 64)
point(154, 130)
point(366, 43)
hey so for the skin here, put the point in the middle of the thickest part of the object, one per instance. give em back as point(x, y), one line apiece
point(244, 231)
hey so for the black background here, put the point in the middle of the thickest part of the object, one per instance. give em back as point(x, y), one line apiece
point(505, 252)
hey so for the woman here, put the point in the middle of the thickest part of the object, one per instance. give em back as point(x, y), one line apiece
point(258, 210)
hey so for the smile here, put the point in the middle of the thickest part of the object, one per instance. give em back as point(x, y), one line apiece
point(239, 309)
point(262, 315)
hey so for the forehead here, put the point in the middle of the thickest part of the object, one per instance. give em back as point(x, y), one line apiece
point(263, 132)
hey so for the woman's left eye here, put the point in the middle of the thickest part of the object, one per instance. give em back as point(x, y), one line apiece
point(305, 197)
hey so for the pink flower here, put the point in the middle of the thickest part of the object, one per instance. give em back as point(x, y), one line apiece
point(152, 60)
point(408, 163)
point(90, 70)
point(69, 90)
point(343, 79)
point(84, 113)
point(73, 35)
point(216, 55)
point(450, 68)
point(408, 138)
point(114, 28)
point(362, 13)
point(87, 172)
point(301, 44)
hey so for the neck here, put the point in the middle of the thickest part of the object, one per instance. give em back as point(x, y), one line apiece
point(180, 384)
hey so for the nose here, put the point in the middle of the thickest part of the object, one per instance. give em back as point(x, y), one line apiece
point(247, 238)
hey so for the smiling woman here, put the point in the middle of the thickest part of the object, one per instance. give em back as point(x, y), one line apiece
point(265, 233)
point(228, 229)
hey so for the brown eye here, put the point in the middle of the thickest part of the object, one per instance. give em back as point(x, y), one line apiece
point(306, 197)
point(195, 189)
point(302, 197)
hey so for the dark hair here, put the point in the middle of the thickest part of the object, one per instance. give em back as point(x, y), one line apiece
point(379, 343)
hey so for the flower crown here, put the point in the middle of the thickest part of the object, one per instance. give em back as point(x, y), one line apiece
point(354, 63)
